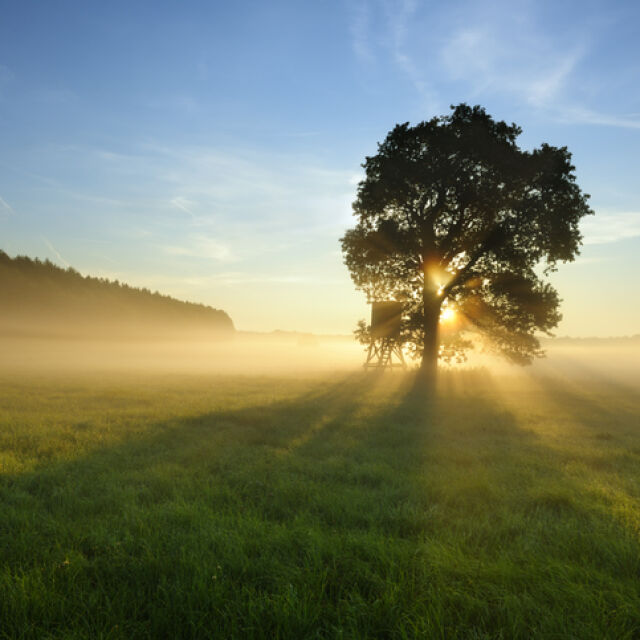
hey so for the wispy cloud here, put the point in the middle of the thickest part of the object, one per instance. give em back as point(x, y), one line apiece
point(400, 18)
point(527, 64)
point(522, 62)
point(581, 115)
point(360, 31)
point(202, 246)
point(382, 32)
point(196, 283)
point(482, 52)
point(611, 227)
point(250, 190)
point(201, 208)
point(5, 209)
point(582, 261)
point(240, 278)
point(55, 252)
point(184, 204)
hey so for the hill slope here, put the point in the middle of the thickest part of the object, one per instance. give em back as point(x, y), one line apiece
point(40, 298)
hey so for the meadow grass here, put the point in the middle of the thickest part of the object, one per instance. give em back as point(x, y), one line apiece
point(334, 506)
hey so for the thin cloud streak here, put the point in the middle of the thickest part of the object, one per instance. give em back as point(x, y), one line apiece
point(183, 204)
point(524, 63)
point(6, 209)
point(580, 115)
point(359, 31)
point(606, 228)
point(241, 278)
point(55, 252)
point(400, 18)
point(489, 53)
point(201, 246)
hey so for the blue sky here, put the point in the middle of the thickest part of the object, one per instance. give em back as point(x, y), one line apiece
point(211, 150)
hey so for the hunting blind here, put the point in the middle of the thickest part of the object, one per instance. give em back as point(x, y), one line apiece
point(384, 344)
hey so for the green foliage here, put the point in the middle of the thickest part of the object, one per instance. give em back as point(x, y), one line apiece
point(190, 507)
point(452, 211)
point(41, 298)
point(362, 332)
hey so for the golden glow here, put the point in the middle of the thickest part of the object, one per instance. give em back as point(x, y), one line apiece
point(447, 315)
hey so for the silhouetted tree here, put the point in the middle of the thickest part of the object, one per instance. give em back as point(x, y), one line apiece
point(453, 214)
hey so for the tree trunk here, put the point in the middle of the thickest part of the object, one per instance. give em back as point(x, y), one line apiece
point(429, 365)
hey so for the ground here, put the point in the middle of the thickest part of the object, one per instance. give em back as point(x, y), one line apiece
point(321, 505)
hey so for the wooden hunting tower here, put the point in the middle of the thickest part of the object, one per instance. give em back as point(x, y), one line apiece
point(385, 344)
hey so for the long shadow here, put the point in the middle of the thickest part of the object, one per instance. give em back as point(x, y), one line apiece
point(244, 447)
point(272, 424)
point(338, 434)
point(487, 495)
point(359, 483)
point(604, 405)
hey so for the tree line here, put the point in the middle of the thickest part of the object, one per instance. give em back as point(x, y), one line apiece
point(39, 297)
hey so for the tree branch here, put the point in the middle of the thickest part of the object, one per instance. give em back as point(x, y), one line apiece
point(464, 273)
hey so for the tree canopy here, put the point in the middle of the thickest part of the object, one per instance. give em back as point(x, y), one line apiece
point(452, 214)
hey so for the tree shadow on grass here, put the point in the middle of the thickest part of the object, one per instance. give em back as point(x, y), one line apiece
point(363, 509)
point(604, 405)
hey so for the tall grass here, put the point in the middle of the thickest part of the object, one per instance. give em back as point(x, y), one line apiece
point(345, 506)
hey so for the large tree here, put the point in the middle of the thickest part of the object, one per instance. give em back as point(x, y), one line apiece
point(453, 214)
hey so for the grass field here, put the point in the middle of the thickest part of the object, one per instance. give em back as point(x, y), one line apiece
point(318, 506)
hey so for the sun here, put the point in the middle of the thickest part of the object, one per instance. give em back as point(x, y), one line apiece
point(447, 315)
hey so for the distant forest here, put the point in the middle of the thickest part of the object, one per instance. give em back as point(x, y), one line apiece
point(40, 298)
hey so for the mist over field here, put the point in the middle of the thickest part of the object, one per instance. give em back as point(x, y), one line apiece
point(268, 487)
point(164, 473)
point(289, 353)
point(319, 320)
